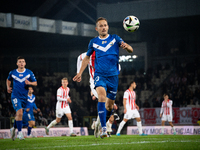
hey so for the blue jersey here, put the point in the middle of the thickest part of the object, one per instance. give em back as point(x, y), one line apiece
point(106, 54)
point(29, 116)
point(31, 103)
point(20, 89)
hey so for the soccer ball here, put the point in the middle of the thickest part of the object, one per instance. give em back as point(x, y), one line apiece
point(131, 23)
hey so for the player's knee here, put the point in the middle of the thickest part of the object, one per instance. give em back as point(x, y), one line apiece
point(101, 98)
point(109, 108)
point(138, 119)
point(58, 120)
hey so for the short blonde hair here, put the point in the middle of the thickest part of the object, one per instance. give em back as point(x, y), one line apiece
point(65, 78)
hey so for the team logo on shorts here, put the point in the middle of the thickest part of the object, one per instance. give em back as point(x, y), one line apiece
point(59, 115)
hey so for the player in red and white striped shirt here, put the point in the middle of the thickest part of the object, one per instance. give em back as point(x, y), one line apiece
point(130, 109)
point(62, 107)
point(91, 71)
point(166, 112)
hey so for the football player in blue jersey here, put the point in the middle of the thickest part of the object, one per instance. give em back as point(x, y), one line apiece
point(21, 78)
point(106, 47)
point(28, 115)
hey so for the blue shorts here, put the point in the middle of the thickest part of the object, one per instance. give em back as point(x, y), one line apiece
point(18, 103)
point(27, 117)
point(109, 83)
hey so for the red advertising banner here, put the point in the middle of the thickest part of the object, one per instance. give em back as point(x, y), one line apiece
point(183, 115)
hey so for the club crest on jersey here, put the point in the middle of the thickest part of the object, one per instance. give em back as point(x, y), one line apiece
point(104, 42)
point(111, 43)
point(21, 75)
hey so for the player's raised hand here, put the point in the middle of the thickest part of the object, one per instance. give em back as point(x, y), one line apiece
point(127, 47)
point(27, 82)
point(77, 78)
point(69, 100)
point(9, 90)
point(115, 107)
point(123, 45)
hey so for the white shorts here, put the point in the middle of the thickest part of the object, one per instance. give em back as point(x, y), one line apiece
point(92, 89)
point(167, 118)
point(61, 111)
point(131, 114)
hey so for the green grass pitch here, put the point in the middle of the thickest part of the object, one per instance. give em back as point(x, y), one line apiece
point(123, 142)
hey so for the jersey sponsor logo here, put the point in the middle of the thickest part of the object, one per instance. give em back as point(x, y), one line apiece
point(21, 75)
point(104, 49)
point(20, 80)
point(104, 42)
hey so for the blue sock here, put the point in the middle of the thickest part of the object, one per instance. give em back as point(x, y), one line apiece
point(29, 130)
point(15, 124)
point(102, 113)
point(19, 125)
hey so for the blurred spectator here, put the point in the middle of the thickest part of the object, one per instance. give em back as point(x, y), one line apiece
point(184, 104)
point(146, 104)
point(75, 119)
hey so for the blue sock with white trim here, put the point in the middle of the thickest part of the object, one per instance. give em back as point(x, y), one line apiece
point(102, 113)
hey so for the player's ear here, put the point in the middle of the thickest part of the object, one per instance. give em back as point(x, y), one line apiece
point(96, 28)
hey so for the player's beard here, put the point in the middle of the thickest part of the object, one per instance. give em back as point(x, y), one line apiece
point(104, 34)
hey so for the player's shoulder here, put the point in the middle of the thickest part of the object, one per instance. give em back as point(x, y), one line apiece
point(94, 39)
point(28, 70)
point(127, 91)
point(60, 88)
point(115, 36)
point(13, 71)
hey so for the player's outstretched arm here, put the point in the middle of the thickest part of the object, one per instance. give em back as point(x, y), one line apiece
point(83, 66)
point(127, 47)
point(30, 83)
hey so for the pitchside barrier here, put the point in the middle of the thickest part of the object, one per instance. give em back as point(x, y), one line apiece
point(40, 132)
point(156, 130)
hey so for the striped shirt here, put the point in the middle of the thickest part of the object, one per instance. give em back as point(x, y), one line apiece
point(91, 67)
point(63, 95)
point(130, 97)
point(166, 108)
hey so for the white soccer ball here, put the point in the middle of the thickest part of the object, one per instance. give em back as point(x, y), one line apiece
point(131, 23)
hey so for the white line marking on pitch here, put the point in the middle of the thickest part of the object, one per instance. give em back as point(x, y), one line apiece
point(101, 144)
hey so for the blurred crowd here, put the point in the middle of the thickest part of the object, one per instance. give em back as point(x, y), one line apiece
point(182, 85)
